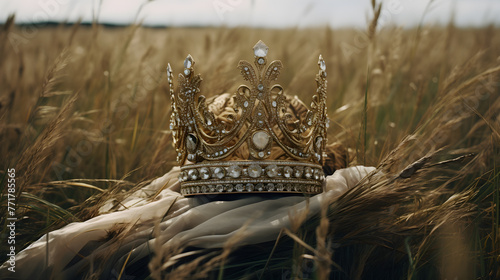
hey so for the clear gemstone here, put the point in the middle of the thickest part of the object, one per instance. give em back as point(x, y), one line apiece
point(289, 187)
point(229, 187)
point(249, 187)
point(220, 188)
point(272, 170)
point(279, 187)
point(261, 61)
point(261, 154)
point(321, 63)
point(246, 68)
point(274, 103)
point(245, 104)
point(260, 86)
point(261, 139)
point(308, 172)
point(254, 170)
point(260, 49)
point(317, 174)
point(297, 171)
point(204, 189)
point(327, 123)
point(211, 188)
point(198, 189)
point(234, 171)
point(219, 172)
point(191, 142)
point(169, 70)
point(188, 62)
point(184, 176)
point(191, 157)
point(187, 72)
point(287, 171)
point(209, 122)
point(270, 187)
point(259, 187)
point(204, 173)
point(193, 174)
point(319, 142)
point(239, 187)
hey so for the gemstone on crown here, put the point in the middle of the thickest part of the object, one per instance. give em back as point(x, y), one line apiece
point(188, 62)
point(254, 170)
point(204, 173)
point(261, 139)
point(272, 171)
point(260, 49)
point(234, 171)
point(263, 124)
point(322, 63)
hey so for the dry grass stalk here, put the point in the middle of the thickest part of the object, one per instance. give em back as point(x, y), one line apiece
point(323, 257)
point(40, 150)
point(415, 109)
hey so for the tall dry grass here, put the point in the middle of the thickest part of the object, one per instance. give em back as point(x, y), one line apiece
point(84, 113)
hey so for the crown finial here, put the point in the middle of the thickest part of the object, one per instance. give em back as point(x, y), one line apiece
point(188, 62)
point(169, 70)
point(188, 65)
point(321, 63)
point(260, 49)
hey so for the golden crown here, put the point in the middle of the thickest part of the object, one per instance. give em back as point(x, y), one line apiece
point(259, 121)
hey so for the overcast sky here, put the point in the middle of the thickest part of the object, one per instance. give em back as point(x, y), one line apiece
point(266, 13)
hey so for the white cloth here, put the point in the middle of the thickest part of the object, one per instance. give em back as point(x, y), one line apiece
point(194, 221)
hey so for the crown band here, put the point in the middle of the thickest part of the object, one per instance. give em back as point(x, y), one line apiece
point(251, 176)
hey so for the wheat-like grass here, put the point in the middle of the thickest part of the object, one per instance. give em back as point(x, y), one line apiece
point(84, 113)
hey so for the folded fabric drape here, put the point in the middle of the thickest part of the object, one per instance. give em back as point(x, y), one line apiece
point(168, 219)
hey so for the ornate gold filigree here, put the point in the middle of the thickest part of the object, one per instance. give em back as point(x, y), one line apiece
point(260, 108)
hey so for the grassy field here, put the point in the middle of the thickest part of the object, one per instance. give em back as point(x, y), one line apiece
point(84, 114)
